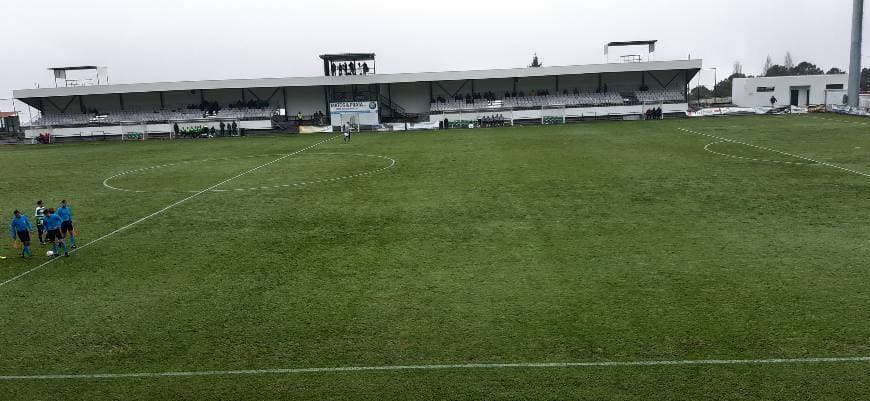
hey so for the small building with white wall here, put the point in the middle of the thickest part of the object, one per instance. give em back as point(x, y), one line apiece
point(799, 90)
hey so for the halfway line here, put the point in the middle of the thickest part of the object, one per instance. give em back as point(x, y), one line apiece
point(544, 365)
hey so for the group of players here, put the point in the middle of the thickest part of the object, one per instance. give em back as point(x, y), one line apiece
point(53, 226)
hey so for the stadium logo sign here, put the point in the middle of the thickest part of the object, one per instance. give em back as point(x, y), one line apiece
point(353, 107)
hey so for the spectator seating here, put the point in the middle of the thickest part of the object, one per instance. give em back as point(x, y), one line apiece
point(583, 99)
point(117, 117)
point(660, 96)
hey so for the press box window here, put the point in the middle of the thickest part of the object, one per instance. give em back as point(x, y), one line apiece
point(765, 89)
point(834, 86)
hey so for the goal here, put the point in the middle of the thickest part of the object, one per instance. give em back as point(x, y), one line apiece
point(553, 115)
point(134, 131)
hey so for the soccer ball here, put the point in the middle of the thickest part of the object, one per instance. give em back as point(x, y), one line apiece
point(49, 253)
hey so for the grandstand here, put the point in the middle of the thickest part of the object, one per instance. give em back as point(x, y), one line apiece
point(614, 90)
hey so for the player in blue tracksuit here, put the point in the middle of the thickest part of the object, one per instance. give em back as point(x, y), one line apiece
point(66, 227)
point(52, 228)
point(20, 228)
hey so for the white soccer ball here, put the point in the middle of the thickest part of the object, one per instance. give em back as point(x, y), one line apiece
point(49, 253)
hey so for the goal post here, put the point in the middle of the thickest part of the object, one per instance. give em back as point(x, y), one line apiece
point(134, 131)
point(551, 115)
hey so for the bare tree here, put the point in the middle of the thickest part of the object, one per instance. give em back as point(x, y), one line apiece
point(768, 62)
point(789, 63)
point(738, 68)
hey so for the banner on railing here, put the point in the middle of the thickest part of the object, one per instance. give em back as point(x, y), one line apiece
point(356, 113)
point(421, 126)
point(313, 129)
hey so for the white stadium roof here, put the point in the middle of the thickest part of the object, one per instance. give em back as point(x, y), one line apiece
point(358, 79)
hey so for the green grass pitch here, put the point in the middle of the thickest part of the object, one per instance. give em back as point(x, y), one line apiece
point(577, 243)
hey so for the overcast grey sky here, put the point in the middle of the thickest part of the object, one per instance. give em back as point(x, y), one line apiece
point(171, 40)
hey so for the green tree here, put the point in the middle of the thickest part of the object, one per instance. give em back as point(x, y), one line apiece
point(535, 62)
point(724, 87)
point(700, 92)
point(835, 70)
point(806, 68)
point(777, 70)
point(865, 79)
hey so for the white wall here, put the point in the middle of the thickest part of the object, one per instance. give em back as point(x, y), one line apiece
point(149, 128)
point(745, 90)
point(308, 100)
point(569, 112)
point(413, 97)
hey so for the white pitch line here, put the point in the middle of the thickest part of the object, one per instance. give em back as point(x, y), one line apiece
point(106, 181)
point(776, 151)
point(161, 211)
point(840, 121)
point(707, 148)
point(391, 165)
point(543, 365)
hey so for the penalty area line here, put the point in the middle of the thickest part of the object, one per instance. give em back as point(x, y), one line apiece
point(479, 366)
point(163, 210)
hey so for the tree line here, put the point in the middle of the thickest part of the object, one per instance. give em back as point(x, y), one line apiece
point(787, 68)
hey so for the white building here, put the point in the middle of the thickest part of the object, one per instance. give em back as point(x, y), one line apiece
point(800, 90)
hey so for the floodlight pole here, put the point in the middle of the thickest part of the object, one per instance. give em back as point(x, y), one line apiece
point(715, 81)
point(855, 58)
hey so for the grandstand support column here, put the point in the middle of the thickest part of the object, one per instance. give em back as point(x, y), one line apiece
point(378, 97)
point(557, 84)
point(686, 87)
point(855, 57)
point(162, 101)
point(326, 100)
point(286, 108)
point(121, 100)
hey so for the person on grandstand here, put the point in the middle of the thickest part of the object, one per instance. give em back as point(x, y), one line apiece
point(345, 129)
point(39, 214)
point(20, 228)
point(52, 232)
point(66, 227)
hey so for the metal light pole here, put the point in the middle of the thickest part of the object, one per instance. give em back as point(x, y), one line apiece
point(715, 82)
point(855, 57)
